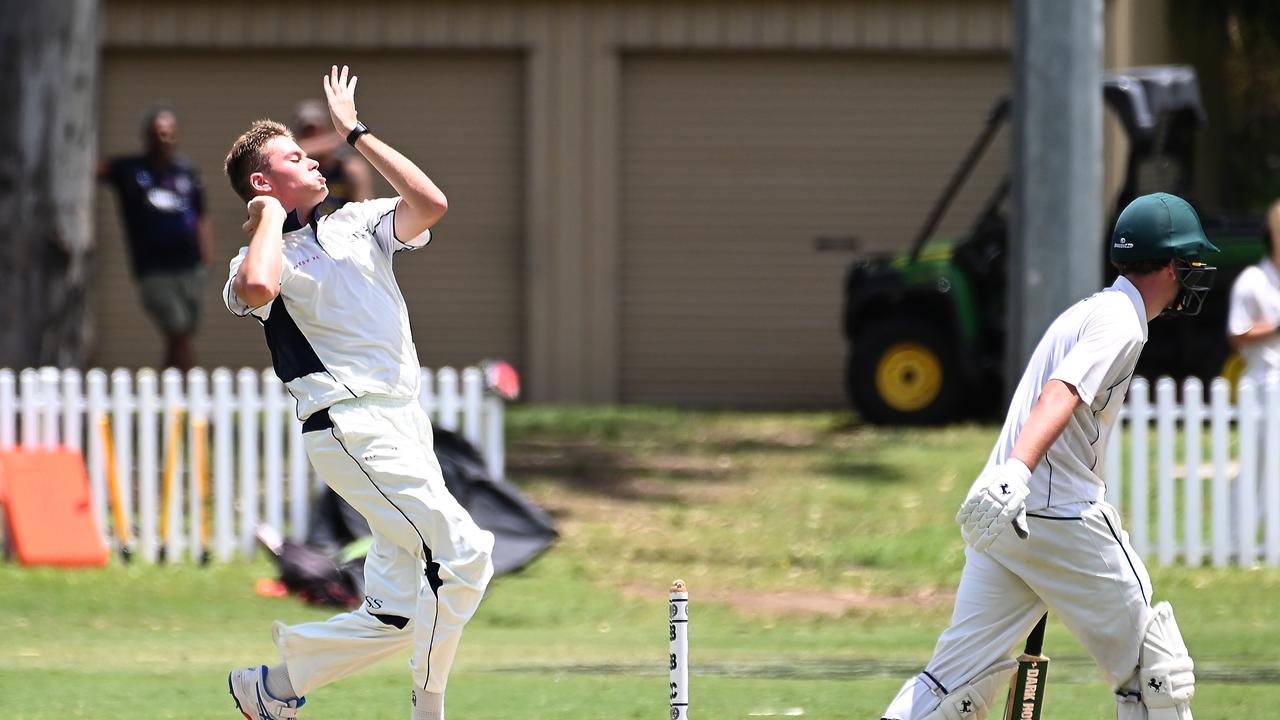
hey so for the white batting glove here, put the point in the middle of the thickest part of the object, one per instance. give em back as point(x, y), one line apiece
point(995, 506)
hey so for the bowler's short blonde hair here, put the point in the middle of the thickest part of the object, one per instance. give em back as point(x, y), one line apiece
point(248, 155)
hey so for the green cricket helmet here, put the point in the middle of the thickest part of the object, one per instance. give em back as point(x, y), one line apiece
point(1158, 226)
point(1162, 226)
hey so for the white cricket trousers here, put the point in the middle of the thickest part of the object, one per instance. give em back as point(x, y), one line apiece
point(429, 564)
point(1082, 570)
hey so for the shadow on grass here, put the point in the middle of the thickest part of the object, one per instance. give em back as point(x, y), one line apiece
point(589, 468)
point(860, 470)
point(750, 445)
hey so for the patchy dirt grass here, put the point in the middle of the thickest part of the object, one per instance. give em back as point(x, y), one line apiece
point(800, 603)
point(772, 515)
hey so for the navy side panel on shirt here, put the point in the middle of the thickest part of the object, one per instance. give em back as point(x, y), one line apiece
point(291, 354)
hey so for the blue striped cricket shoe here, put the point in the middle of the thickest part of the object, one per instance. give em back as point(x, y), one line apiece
point(249, 689)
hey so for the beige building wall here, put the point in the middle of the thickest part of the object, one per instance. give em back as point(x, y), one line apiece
point(1137, 33)
point(517, 108)
point(737, 170)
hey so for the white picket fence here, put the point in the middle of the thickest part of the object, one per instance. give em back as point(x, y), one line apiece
point(1216, 480)
point(193, 464)
point(193, 467)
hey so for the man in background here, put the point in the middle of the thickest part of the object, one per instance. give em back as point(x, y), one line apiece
point(168, 232)
point(347, 174)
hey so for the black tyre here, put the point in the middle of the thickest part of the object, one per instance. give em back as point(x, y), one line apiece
point(903, 371)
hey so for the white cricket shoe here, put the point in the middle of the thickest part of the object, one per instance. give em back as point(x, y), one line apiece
point(249, 689)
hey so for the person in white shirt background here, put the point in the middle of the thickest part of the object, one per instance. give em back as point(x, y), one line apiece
point(1253, 331)
point(1253, 314)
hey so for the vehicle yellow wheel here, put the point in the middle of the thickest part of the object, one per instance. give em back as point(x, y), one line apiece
point(909, 376)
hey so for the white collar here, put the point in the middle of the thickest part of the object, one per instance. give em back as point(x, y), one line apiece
point(1124, 285)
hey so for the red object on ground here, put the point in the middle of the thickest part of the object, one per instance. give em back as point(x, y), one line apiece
point(47, 508)
point(270, 587)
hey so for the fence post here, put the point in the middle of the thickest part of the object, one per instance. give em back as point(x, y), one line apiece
point(472, 401)
point(49, 407)
point(494, 445)
point(1166, 424)
point(95, 411)
point(148, 449)
point(1246, 501)
point(447, 398)
point(1220, 426)
point(8, 409)
point(72, 410)
point(198, 461)
point(1139, 417)
point(273, 448)
point(1193, 427)
point(174, 466)
point(29, 389)
point(122, 407)
point(223, 466)
point(247, 384)
point(1271, 477)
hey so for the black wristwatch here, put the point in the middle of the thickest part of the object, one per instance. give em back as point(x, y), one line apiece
point(356, 132)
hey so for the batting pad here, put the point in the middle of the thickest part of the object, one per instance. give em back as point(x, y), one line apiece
point(47, 509)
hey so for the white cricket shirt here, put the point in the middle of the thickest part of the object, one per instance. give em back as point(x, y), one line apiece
point(339, 327)
point(1093, 346)
point(1255, 299)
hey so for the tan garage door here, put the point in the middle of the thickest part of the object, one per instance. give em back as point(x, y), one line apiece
point(734, 166)
point(459, 116)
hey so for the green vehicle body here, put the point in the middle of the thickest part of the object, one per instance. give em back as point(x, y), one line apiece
point(934, 267)
point(926, 328)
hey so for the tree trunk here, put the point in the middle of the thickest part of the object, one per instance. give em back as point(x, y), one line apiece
point(49, 53)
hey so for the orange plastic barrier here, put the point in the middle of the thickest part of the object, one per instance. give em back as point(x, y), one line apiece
point(47, 507)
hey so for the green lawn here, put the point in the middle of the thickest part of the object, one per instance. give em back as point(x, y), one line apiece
point(820, 556)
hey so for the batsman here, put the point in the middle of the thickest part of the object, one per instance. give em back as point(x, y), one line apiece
point(1039, 533)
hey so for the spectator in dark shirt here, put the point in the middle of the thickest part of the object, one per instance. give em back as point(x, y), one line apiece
point(347, 175)
point(169, 237)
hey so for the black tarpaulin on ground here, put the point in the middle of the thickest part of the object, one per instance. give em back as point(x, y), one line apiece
point(318, 571)
point(521, 529)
